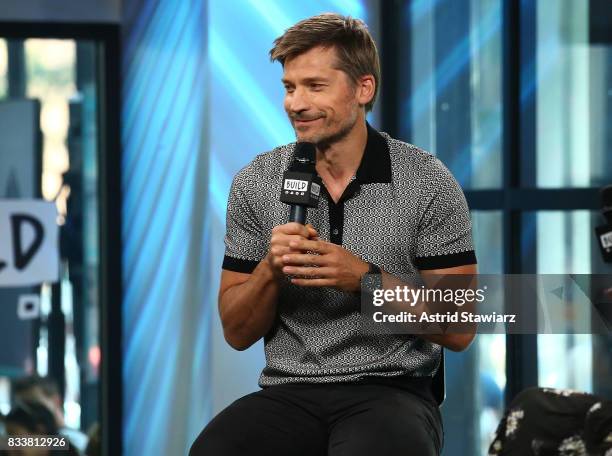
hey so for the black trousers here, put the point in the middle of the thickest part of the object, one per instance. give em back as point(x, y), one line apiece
point(319, 420)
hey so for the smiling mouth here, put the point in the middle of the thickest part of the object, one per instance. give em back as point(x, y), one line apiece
point(298, 121)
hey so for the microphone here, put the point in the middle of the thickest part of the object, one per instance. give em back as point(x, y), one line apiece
point(604, 232)
point(301, 185)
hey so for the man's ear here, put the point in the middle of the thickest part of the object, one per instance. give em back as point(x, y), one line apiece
point(366, 86)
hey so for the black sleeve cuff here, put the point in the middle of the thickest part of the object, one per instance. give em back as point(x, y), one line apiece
point(446, 261)
point(238, 265)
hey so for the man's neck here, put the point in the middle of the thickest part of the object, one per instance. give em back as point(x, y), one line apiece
point(339, 161)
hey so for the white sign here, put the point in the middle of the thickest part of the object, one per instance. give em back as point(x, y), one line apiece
point(29, 248)
point(296, 185)
point(606, 240)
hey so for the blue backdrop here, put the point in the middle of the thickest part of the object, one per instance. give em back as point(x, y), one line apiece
point(200, 99)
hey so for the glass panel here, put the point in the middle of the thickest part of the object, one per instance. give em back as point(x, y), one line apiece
point(59, 92)
point(474, 406)
point(487, 235)
point(563, 243)
point(452, 105)
point(492, 378)
point(573, 94)
point(50, 73)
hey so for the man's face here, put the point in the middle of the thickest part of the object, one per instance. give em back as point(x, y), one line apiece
point(320, 100)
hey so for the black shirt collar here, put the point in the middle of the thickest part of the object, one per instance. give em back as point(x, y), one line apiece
point(375, 166)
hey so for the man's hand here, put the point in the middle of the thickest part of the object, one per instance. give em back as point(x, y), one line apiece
point(327, 265)
point(282, 235)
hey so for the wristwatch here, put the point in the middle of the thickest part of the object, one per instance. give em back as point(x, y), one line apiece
point(372, 279)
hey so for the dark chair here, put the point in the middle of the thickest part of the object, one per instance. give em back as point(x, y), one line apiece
point(438, 382)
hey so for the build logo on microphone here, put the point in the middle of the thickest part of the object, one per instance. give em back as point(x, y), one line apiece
point(295, 186)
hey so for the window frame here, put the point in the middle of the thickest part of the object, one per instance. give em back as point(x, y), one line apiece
point(516, 195)
point(107, 37)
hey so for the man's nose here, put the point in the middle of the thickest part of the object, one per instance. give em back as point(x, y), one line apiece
point(298, 101)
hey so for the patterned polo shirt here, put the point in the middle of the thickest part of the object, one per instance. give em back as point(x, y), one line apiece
point(402, 211)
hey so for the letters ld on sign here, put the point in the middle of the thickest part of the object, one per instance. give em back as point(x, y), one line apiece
point(29, 248)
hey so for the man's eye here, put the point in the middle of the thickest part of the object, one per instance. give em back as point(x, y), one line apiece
point(316, 86)
point(288, 89)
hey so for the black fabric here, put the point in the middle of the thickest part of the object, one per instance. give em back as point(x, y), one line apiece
point(547, 422)
point(598, 428)
point(339, 419)
point(239, 265)
point(421, 386)
point(375, 166)
point(445, 261)
point(336, 220)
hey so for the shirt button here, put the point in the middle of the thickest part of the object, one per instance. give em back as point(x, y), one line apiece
point(335, 232)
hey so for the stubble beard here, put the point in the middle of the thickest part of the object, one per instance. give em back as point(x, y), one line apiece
point(323, 141)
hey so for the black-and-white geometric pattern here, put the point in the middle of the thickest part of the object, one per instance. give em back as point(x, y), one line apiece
point(421, 216)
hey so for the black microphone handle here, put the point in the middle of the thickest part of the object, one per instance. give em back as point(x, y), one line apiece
point(297, 214)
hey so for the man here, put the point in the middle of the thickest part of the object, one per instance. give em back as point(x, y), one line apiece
point(386, 206)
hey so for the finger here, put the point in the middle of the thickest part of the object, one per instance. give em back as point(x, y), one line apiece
point(309, 272)
point(297, 259)
point(314, 246)
point(285, 239)
point(292, 228)
point(289, 239)
point(313, 282)
point(280, 250)
point(312, 233)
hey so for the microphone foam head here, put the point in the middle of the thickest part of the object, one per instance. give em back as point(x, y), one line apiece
point(305, 151)
point(305, 157)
